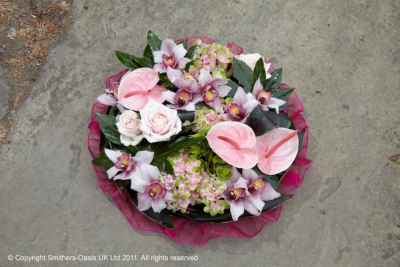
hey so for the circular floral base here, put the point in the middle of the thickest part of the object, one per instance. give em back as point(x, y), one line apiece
point(195, 232)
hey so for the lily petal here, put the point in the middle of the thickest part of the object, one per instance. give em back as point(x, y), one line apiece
point(112, 155)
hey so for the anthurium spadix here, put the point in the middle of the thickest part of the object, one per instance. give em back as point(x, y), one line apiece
point(235, 143)
point(277, 150)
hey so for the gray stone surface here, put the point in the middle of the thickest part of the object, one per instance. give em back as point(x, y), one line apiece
point(345, 214)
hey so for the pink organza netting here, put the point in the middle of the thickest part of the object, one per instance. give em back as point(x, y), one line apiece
point(194, 232)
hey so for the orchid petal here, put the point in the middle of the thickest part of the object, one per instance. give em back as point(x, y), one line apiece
point(235, 175)
point(112, 155)
point(175, 76)
point(257, 201)
point(240, 183)
point(257, 88)
point(250, 175)
point(143, 157)
point(218, 82)
point(189, 107)
point(179, 51)
point(236, 208)
point(158, 205)
point(216, 105)
point(249, 205)
point(159, 68)
point(169, 96)
point(204, 78)
point(112, 172)
point(122, 176)
point(223, 90)
point(269, 193)
point(167, 46)
point(264, 107)
point(158, 56)
point(250, 105)
point(182, 63)
point(234, 142)
point(240, 97)
point(189, 84)
point(149, 172)
point(138, 184)
point(275, 103)
point(107, 99)
point(277, 150)
point(144, 201)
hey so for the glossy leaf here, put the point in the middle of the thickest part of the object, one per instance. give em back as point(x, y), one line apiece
point(264, 121)
point(184, 43)
point(190, 52)
point(163, 218)
point(121, 184)
point(109, 128)
point(127, 60)
point(259, 73)
point(153, 41)
point(234, 87)
point(274, 81)
point(243, 74)
point(282, 94)
point(103, 161)
point(284, 106)
point(186, 115)
point(271, 179)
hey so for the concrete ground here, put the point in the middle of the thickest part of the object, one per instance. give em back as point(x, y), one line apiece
point(345, 214)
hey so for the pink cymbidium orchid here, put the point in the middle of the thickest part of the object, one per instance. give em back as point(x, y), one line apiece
point(171, 55)
point(150, 192)
point(212, 88)
point(125, 163)
point(234, 142)
point(110, 98)
point(186, 97)
point(277, 150)
point(258, 189)
point(239, 197)
point(240, 107)
point(265, 98)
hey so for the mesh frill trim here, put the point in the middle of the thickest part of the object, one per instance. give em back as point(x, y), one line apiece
point(195, 232)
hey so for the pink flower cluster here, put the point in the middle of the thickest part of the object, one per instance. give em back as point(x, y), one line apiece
point(205, 119)
point(191, 185)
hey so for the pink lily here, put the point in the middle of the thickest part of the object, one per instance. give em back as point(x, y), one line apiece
point(277, 150)
point(235, 143)
point(126, 163)
point(212, 89)
point(150, 191)
point(259, 189)
point(171, 55)
point(240, 107)
point(265, 98)
point(239, 197)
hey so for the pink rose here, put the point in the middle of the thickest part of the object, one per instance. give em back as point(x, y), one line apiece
point(138, 87)
point(159, 122)
point(129, 127)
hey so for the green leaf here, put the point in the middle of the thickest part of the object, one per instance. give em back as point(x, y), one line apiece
point(184, 43)
point(103, 142)
point(284, 106)
point(166, 82)
point(190, 52)
point(109, 128)
point(273, 83)
point(103, 161)
point(243, 74)
point(163, 218)
point(190, 63)
point(271, 179)
point(122, 184)
point(147, 53)
point(127, 60)
point(282, 93)
point(259, 73)
point(301, 139)
point(153, 41)
point(234, 87)
point(264, 121)
point(132, 150)
point(163, 150)
point(197, 211)
point(186, 115)
point(167, 167)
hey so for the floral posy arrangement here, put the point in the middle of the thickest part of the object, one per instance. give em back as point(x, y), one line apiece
point(196, 132)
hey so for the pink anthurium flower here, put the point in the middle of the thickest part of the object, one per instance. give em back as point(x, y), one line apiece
point(265, 98)
point(138, 87)
point(185, 98)
point(240, 107)
point(150, 191)
point(258, 189)
point(125, 163)
point(171, 55)
point(238, 196)
point(110, 98)
point(235, 143)
point(212, 88)
point(277, 150)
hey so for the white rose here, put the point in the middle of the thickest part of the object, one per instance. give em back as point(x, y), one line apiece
point(251, 60)
point(159, 122)
point(129, 127)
